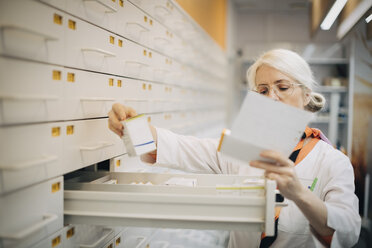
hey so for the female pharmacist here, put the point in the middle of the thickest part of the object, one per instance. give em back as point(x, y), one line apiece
point(324, 215)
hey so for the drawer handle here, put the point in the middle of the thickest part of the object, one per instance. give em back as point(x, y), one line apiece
point(47, 219)
point(100, 2)
point(28, 97)
point(29, 31)
point(95, 244)
point(100, 51)
point(160, 7)
point(137, 63)
point(96, 147)
point(29, 163)
point(97, 99)
point(162, 39)
point(139, 25)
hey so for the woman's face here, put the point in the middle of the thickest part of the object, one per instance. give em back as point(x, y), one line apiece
point(276, 84)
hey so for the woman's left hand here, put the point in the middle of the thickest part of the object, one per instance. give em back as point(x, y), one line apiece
point(282, 171)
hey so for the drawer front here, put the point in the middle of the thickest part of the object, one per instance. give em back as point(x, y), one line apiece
point(35, 32)
point(31, 214)
point(91, 48)
point(31, 153)
point(94, 236)
point(89, 142)
point(90, 95)
point(88, 200)
point(64, 238)
point(30, 92)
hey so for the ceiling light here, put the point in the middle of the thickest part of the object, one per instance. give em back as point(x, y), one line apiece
point(332, 14)
point(369, 18)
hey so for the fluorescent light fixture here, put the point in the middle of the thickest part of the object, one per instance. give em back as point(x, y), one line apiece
point(369, 18)
point(353, 18)
point(332, 14)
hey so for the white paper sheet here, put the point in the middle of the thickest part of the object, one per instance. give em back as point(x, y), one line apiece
point(265, 124)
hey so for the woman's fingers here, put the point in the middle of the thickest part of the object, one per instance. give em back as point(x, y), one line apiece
point(269, 167)
point(277, 157)
point(119, 113)
point(114, 124)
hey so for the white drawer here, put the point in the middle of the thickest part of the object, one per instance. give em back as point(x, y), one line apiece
point(30, 154)
point(30, 92)
point(90, 95)
point(102, 13)
point(32, 30)
point(64, 238)
point(88, 200)
point(30, 214)
point(93, 236)
point(89, 142)
point(92, 48)
point(135, 237)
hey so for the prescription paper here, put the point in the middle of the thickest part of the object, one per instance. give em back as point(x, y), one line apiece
point(264, 124)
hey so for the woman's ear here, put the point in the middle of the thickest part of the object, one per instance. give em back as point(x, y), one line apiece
point(307, 97)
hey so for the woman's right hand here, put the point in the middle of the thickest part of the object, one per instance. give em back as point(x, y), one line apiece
point(117, 114)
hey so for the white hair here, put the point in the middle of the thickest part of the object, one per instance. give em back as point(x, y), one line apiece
point(295, 67)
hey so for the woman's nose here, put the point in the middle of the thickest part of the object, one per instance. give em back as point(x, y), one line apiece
point(273, 95)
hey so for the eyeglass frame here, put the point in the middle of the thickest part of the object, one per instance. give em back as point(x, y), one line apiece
point(280, 81)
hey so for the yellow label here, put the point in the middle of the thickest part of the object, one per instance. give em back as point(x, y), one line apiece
point(120, 43)
point(118, 241)
point(57, 19)
point(119, 83)
point(149, 119)
point(56, 75)
point(70, 77)
point(110, 246)
point(72, 24)
point(114, 1)
point(70, 233)
point(111, 82)
point(143, 86)
point(150, 54)
point(150, 22)
point(121, 2)
point(56, 131)
point(150, 87)
point(70, 130)
point(144, 52)
point(118, 162)
point(112, 39)
point(56, 241)
point(56, 187)
point(145, 18)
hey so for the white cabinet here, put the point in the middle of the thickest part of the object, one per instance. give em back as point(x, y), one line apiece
point(22, 222)
point(63, 64)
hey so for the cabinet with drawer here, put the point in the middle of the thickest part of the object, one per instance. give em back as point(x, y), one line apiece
point(31, 214)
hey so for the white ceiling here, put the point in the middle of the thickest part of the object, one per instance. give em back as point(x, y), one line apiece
point(272, 6)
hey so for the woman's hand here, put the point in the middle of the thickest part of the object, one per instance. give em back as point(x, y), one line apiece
point(282, 171)
point(117, 114)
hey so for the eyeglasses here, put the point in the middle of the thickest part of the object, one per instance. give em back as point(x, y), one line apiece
point(282, 89)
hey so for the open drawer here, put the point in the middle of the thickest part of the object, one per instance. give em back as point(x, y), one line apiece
point(226, 202)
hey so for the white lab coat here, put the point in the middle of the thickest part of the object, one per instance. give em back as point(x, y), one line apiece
point(335, 186)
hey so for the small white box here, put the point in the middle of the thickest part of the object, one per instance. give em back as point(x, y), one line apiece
point(137, 136)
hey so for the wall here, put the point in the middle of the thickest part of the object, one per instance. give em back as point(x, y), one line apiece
point(211, 16)
point(362, 110)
